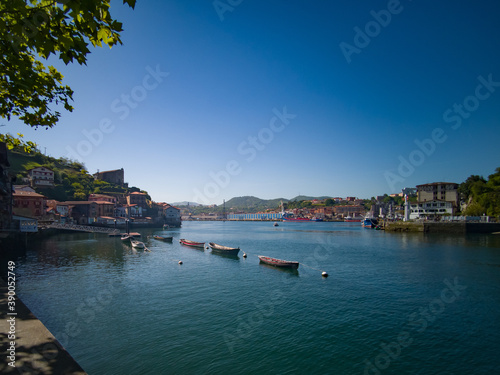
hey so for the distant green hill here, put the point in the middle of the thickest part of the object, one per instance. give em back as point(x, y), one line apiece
point(308, 198)
point(250, 202)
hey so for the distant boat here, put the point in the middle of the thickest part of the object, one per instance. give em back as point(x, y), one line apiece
point(288, 217)
point(192, 243)
point(224, 249)
point(370, 222)
point(276, 224)
point(165, 226)
point(137, 244)
point(354, 219)
point(314, 218)
point(162, 238)
point(278, 262)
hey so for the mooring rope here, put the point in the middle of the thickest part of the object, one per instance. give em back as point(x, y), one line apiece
point(305, 265)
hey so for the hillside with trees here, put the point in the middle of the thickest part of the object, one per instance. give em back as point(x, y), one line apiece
point(72, 182)
point(481, 196)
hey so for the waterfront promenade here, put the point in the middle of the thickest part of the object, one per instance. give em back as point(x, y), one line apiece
point(36, 350)
point(85, 228)
point(442, 227)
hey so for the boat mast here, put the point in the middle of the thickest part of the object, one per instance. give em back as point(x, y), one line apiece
point(224, 211)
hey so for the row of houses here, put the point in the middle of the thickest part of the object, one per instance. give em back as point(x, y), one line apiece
point(433, 200)
point(98, 208)
point(20, 204)
point(43, 176)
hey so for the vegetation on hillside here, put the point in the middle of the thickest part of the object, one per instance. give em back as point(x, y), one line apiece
point(18, 143)
point(72, 181)
point(248, 204)
point(482, 196)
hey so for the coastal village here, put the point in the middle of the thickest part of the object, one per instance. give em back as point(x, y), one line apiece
point(24, 208)
point(433, 201)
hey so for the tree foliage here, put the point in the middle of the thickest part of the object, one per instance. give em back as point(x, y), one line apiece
point(33, 30)
point(18, 143)
point(483, 196)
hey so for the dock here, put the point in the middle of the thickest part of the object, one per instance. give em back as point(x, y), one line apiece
point(118, 234)
point(36, 350)
point(84, 228)
point(442, 227)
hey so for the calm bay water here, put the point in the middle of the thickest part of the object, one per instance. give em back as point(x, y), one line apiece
point(393, 303)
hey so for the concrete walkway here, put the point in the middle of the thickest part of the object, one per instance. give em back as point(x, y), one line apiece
point(36, 350)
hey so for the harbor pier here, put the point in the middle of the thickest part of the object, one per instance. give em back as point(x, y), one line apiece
point(29, 346)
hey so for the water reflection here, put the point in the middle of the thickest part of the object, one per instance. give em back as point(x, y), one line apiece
point(289, 271)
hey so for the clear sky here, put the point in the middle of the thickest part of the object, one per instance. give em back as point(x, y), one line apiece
point(209, 100)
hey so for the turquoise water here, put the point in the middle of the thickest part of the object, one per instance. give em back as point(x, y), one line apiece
point(393, 303)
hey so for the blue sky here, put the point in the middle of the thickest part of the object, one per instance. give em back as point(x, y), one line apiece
point(275, 99)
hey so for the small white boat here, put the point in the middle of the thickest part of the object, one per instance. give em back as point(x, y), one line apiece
point(137, 244)
point(276, 224)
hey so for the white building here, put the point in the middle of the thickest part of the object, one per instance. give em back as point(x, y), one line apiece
point(172, 215)
point(41, 176)
point(430, 209)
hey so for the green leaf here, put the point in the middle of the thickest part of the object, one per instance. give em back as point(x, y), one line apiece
point(33, 30)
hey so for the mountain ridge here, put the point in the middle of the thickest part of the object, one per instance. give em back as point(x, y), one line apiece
point(255, 203)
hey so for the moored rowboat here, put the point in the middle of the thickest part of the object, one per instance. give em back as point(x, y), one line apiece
point(224, 249)
point(161, 238)
point(137, 244)
point(278, 262)
point(192, 243)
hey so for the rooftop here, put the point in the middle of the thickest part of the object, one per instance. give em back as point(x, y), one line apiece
point(114, 170)
point(27, 194)
point(438, 183)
